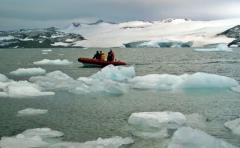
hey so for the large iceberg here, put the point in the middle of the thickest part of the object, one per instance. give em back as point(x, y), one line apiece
point(187, 137)
point(46, 137)
point(52, 62)
point(3, 78)
point(234, 126)
point(28, 71)
point(156, 124)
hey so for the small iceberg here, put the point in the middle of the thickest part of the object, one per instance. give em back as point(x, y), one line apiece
point(46, 137)
point(187, 137)
point(234, 126)
point(53, 62)
point(28, 72)
point(156, 124)
point(31, 112)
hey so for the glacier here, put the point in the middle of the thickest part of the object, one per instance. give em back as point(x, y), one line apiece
point(177, 33)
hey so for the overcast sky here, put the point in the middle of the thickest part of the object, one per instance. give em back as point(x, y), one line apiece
point(15, 14)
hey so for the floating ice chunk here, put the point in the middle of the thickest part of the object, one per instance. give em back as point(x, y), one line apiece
point(21, 89)
point(42, 132)
point(47, 50)
point(187, 137)
point(185, 81)
point(115, 73)
point(94, 86)
point(54, 80)
point(156, 124)
point(234, 126)
point(58, 80)
point(205, 80)
point(220, 47)
point(114, 142)
point(3, 78)
point(52, 62)
point(30, 138)
point(46, 137)
point(22, 142)
point(155, 81)
point(31, 111)
point(28, 72)
point(236, 89)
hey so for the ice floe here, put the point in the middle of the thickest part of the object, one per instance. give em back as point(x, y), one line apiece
point(47, 50)
point(234, 126)
point(114, 142)
point(52, 62)
point(28, 71)
point(220, 47)
point(187, 137)
point(30, 138)
point(3, 78)
point(236, 89)
point(115, 73)
point(58, 80)
point(156, 124)
point(185, 81)
point(31, 111)
point(21, 89)
point(45, 137)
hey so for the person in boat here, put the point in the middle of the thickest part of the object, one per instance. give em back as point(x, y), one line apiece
point(97, 55)
point(102, 56)
point(111, 56)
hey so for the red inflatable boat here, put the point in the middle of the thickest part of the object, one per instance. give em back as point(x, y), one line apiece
point(95, 62)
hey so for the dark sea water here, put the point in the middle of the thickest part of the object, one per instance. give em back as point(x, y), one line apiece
point(83, 118)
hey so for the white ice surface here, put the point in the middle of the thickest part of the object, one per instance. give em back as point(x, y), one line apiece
point(115, 73)
point(116, 35)
point(6, 38)
point(185, 81)
point(52, 62)
point(156, 124)
point(3, 78)
point(60, 44)
point(234, 126)
point(220, 47)
point(236, 89)
point(21, 89)
point(187, 137)
point(28, 72)
point(45, 137)
point(31, 111)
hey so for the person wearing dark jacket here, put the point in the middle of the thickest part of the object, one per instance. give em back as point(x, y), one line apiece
point(111, 56)
point(97, 55)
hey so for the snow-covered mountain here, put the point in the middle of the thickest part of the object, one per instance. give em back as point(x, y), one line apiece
point(153, 34)
point(164, 33)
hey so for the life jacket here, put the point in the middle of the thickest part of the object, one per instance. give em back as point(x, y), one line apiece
point(102, 56)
